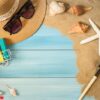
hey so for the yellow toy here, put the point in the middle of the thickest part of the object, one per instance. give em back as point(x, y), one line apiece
point(1, 58)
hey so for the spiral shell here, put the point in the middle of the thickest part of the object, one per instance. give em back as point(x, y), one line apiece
point(80, 27)
point(78, 10)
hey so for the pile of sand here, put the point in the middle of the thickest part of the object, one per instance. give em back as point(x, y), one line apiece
point(87, 55)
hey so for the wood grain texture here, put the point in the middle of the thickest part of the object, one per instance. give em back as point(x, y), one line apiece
point(41, 64)
point(46, 54)
point(45, 38)
point(43, 89)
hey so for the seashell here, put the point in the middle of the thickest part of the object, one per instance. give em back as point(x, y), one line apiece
point(80, 27)
point(78, 10)
point(56, 8)
point(1, 93)
point(12, 91)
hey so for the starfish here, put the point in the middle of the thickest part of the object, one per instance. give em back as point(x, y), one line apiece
point(97, 36)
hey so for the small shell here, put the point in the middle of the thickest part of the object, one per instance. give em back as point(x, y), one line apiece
point(12, 91)
point(80, 27)
point(1, 93)
point(56, 8)
point(78, 10)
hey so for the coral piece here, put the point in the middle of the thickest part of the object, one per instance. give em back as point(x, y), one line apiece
point(78, 10)
point(80, 27)
point(56, 8)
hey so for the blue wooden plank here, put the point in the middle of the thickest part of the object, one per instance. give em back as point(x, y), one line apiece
point(44, 89)
point(45, 38)
point(37, 63)
point(46, 54)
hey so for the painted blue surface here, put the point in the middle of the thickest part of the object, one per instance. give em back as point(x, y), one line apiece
point(45, 38)
point(44, 89)
point(46, 54)
point(41, 64)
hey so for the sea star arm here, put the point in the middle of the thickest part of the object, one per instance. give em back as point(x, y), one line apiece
point(89, 39)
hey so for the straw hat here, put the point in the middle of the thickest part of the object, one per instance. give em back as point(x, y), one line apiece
point(29, 26)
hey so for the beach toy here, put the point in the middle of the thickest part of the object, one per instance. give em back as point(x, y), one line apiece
point(1, 57)
point(4, 49)
point(1, 97)
point(5, 54)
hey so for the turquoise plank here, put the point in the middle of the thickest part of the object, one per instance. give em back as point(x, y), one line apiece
point(45, 38)
point(41, 63)
point(43, 89)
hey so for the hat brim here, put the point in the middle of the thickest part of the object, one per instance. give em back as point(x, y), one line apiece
point(30, 26)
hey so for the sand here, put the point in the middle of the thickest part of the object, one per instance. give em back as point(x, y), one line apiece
point(87, 55)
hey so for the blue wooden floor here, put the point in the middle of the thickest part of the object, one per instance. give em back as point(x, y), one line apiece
point(46, 54)
point(43, 67)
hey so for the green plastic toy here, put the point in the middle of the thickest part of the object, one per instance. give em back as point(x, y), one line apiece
point(4, 50)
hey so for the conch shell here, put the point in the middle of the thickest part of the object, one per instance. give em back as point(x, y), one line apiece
point(78, 10)
point(12, 91)
point(80, 27)
point(56, 7)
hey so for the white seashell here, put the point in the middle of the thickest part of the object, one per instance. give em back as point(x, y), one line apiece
point(1, 93)
point(56, 8)
point(12, 91)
